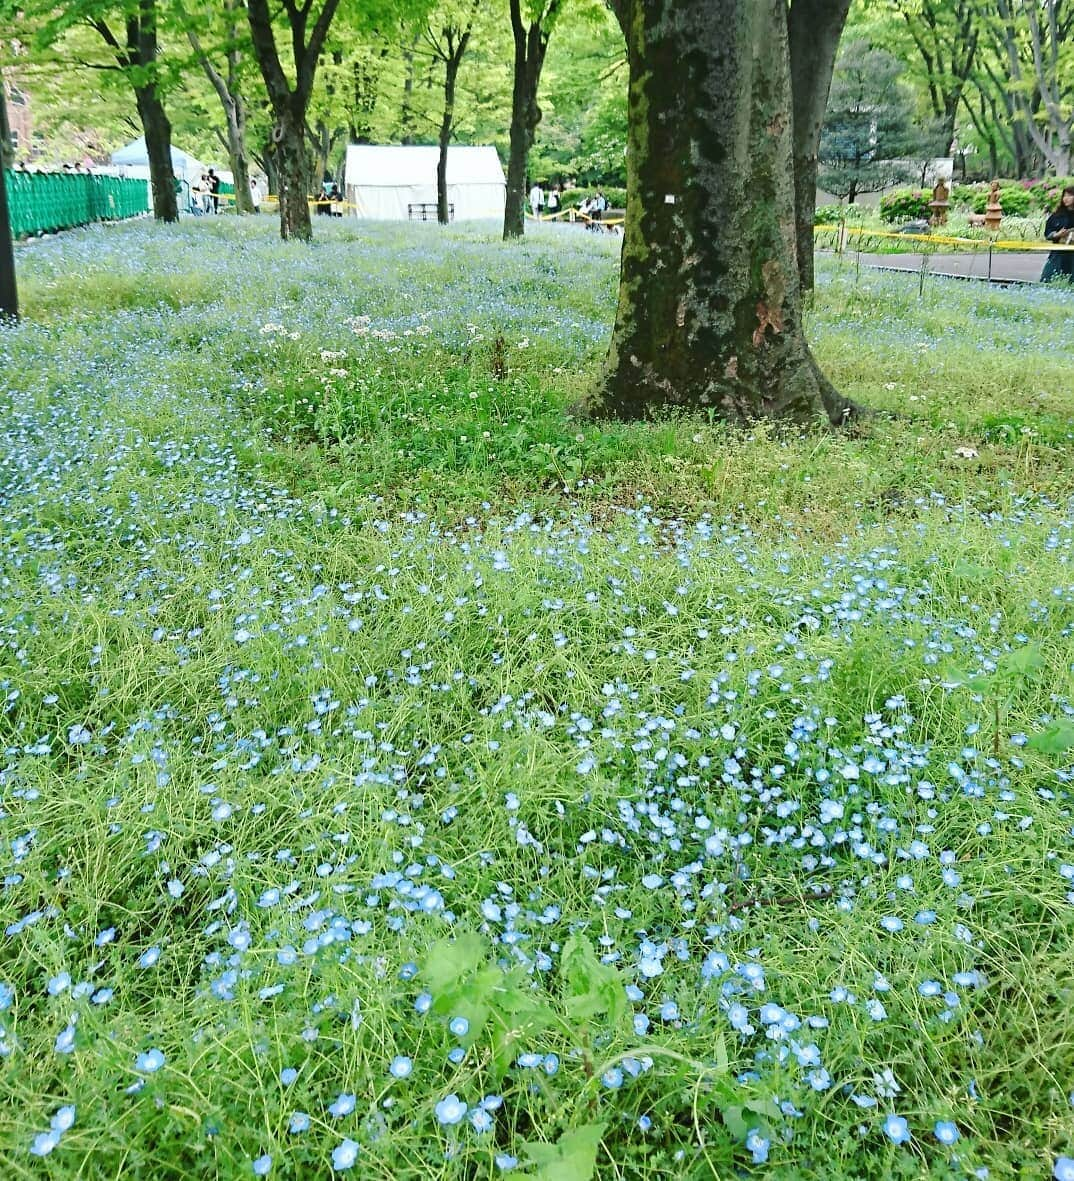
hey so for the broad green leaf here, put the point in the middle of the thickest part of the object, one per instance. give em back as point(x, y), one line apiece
point(1054, 739)
point(591, 989)
point(572, 1158)
point(451, 960)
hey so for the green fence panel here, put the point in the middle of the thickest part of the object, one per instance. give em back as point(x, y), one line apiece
point(44, 202)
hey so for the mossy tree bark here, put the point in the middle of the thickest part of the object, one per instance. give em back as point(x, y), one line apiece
point(709, 314)
point(531, 45)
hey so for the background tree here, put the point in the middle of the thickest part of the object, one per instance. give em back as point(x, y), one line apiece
point(869, 130)
point(530, 45)
point(129, 30)
point(946, 35)
point(307, 28)
point(1038, 39)
point(228, 28)
point(446, 36)
point(709, 314)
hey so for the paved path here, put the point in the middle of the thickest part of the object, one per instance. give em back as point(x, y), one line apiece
point(1007, 267)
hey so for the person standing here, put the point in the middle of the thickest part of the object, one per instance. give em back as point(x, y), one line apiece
point(1059, 228)
point(552, 205)
point(255, 194)
point(536, 199)
point(214, 189)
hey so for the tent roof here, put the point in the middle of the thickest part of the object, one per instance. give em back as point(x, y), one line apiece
point(377, 165)
point(135, 153)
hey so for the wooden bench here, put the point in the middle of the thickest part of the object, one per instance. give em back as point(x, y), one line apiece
point(427, 212)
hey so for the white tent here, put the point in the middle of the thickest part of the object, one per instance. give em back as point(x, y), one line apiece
point(134, 160)
point(382, 182)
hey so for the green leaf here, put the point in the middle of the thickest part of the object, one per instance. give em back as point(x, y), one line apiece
point(451, 961)
point(736, 1124)
point(1023, 664)
point(572, 1158)
point(1054, 739)
point(591, 989)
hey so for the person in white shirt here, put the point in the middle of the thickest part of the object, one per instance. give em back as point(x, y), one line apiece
point(536, 199)
point(255, 194)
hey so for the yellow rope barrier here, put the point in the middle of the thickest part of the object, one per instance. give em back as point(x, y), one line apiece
point(940, 239)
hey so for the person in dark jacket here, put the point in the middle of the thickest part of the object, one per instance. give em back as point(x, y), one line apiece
point(1059, 228)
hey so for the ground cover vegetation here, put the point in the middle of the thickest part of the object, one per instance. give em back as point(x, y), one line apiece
point(401, 776)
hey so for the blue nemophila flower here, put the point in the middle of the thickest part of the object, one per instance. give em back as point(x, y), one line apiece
point(459, 1026)
point(945, 1131)
point(7, 996)
point(149, 957)
point(44, 1142)
point(450, 1110)
point(149, 1062)
point(1064, 1169)
point(896, 1129)
point(343, 1105)
point(401, 1067)
point(758, 1145)
point(300, 1122)
point(59, 983)
point(891, 923)
point(612, 1078)
point(64, 1118)
point(505, 1161)
point(345, 1155)
point(288, 1075)
point(481, 1120)
point(65, 1039)
point(644, 1123)
point(262, 1165)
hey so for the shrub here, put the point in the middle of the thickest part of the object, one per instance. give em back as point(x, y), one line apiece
point(1045, 192)
point(832, 215)
point(1015, 200)
point(572, 198)
point(905, 205)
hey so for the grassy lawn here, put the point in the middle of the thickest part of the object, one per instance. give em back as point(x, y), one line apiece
point(401, 777)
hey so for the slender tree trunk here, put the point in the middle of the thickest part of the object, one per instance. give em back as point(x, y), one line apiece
point(814, 30)
point(709, 314)
point(451, 74)
point(158, 145)
point(9, 295)
point(530, 48)
point(267, 163)
point(238, 154)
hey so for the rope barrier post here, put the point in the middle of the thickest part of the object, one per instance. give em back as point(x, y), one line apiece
point(857, 261)
point(990, 246)
point(921, 278)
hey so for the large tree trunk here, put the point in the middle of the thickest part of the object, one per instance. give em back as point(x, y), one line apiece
point(530, 47)
point(709, 314)
point(158, 145)
point(9, 296)
point(814, 30)
point(293, 165)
